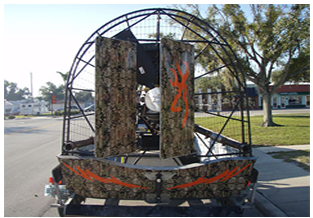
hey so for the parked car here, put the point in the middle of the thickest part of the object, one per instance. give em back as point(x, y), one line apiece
point(73, 108)
point(90, 108)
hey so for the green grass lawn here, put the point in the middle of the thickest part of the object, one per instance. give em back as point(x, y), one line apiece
point(295, 129)
point(18, 116)
point(26, 116)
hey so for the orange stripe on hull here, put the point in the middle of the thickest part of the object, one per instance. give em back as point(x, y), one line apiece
point(87, 175)
point(226, 175)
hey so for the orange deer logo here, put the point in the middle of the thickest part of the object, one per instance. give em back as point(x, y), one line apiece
point(181, 87)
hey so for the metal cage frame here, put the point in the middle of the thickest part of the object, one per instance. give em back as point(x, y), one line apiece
point(180, 21)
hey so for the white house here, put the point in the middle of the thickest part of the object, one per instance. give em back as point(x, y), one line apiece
point(25, 107)
point(11, 107)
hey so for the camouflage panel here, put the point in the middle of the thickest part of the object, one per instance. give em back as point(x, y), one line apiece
point(97, 178)
point(115, 98)
point(177, 97)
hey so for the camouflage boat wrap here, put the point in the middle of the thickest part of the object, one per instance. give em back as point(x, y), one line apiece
point(101, 178)
point(115, 98)
point(177, 97)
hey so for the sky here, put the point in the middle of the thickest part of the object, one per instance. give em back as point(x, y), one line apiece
point(41, 39)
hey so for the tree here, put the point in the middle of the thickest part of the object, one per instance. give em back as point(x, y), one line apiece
point(81, 96)
point(63, 75)
point(51, 89)
point(13, 93)
point(218, 81)
point(276, 38)
point(302, 75)
point(84, 96)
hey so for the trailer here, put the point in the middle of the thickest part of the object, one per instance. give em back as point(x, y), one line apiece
point(146, 150)
point(33, 108)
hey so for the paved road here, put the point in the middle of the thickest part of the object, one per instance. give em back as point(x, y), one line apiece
point(282, 111)
point(30, 147)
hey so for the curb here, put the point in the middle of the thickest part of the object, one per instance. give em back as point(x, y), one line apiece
point(266, 207)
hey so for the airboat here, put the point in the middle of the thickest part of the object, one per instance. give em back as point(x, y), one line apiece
point(152, 137)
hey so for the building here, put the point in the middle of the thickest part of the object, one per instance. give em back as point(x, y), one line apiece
point(253, 96)
point(289, 96)
point(11, 107)
point(25, 107)
point(59, 105)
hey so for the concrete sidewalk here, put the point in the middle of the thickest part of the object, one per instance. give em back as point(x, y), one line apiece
point(283, 188)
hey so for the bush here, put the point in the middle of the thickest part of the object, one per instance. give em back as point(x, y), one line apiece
point(58, 113)
point(61, 113)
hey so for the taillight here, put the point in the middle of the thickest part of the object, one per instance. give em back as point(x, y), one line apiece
point(52, 182)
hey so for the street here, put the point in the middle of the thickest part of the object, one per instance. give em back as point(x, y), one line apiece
point(30, 149)
point(281, 111)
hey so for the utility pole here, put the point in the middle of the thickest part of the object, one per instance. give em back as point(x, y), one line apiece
point(31, 86)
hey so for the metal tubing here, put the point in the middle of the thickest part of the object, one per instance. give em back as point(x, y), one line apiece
point(219, 138)
point(81, 143)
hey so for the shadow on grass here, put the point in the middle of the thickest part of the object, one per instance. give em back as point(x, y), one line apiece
point(300, 157)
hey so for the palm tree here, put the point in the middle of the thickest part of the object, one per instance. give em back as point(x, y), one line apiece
point(64, 75)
